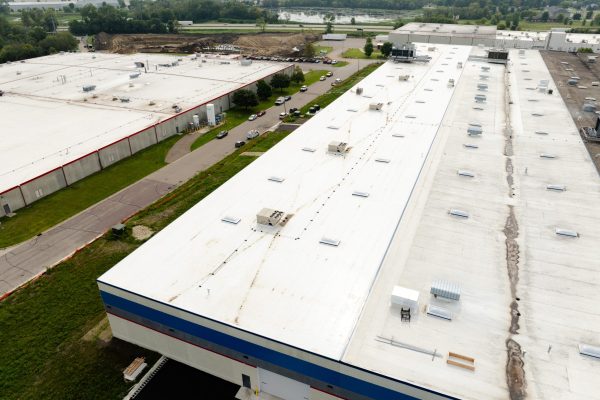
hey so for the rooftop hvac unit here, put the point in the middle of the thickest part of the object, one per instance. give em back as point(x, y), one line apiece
point(589, 350)
point(482, 86)
point(566, 232)
point(124, 99)
point(88, 88)
point(480, 98)
point(139, 64)
point(485, 68)
point(451, 82)
point(473, 130)
point(245, 63)
point(134, 75)
point(572, 82)
point(405, 298)
point(556, 188)
point(270, 217)
point(439, 312)
point(521, 52)
point(337, 147)
point(459, 65)
point(375, 106)
point(446, 290)
point(359, 90)
point(403, 78)
point(589, 107)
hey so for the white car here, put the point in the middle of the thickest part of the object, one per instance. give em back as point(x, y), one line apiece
point(252, 134)
point(252, 117)
point(330, 74)
point(334, 62)
point(303, 88)
point(282, 115)
point(322, 78)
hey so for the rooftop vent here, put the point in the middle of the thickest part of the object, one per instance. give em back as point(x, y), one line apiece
point(445, 289)
point(277, 179)
point(134, 75)
point(464, 172)
point(309, 149)
point(566, 232)
point(410, 116)
point(359, 90)
point(383, 160)
point(480, 98)
point(267, 216)
point(439, 312)
point(458, 213)
point(470, 146)
point(546, 155)
point(485, 68)
point(88, 88)
point(474, 130)
point(589, 350)
point(428, 90)
point(398, 135)
point(360, 194)
point(482, 86)
point(231, 220)
point(403, 78)
point(557, 188)
point(478, 108)
point(483, 77)
point(330, 242)
point(352, 110)
point(420, 102)
point(336, 147)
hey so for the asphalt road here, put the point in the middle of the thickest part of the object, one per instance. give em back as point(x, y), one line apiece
point(32, 258)
point(287, 27)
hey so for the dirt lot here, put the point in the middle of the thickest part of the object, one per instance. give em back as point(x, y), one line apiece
point(264, 44)
point(562, 66)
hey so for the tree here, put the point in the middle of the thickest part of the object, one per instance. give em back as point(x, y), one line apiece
point(262, 24)
point(386, 49)
point(245, 98)
point(560, 18)
point(584, 22)
point(577, 16)
point(585, 50)
point(368, 47)
point(298, 75)
point(263, 90)
point(280, 81)
point(501, 26)
point(328, 21)
point(589, 14)
point(309, 50)
point(352, 21)
point(545, 16)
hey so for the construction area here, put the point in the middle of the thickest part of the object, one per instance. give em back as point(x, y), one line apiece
point(425, 236)
point(74, 114)
point(264, 44)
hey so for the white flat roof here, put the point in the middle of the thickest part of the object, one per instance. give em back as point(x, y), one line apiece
point(48, 120)
point(283, 284)
point(447, 29)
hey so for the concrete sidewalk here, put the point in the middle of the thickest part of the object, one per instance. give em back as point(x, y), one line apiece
point(33, 257)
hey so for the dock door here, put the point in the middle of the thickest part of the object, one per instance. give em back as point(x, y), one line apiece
point(280, 386)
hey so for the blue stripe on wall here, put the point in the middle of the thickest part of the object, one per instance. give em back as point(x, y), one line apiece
point(270, 356)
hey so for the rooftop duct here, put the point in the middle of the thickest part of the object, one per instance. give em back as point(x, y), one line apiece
point(268, 216)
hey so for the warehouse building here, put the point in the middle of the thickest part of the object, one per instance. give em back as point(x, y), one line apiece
point(485, 35)
point(429, 235)
point(69, 115)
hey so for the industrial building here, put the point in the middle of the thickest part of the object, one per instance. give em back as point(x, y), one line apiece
point(473, 35)
point(429, 235)
point(69, 115)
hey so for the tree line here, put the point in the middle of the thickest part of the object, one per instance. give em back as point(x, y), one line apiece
point(35, 36)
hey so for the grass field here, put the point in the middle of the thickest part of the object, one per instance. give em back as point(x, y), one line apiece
point(61, 205)
point(358, 53)
point(341, 64)
point(322, 50)
point(42, 325)
point(236, 116)
point(336, 91)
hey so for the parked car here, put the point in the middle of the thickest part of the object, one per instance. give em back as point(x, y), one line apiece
point(334, 62)
point(333, 83)
point(279, 101)
point(303, 88)
point(282, 115)
point(222, 134)
point(252, 134)
point(261, 113)
point(252, 117)
point(329, 74)
point(293, 109)
point(287, 98)
point(338, 80)
point(239, 144)
point(316, 107)
point(322, 78)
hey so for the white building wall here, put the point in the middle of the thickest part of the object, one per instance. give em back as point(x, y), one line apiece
point(143, 139)
point(81, 168)
point(13, 198)
point(115, 152)
point(43, 186)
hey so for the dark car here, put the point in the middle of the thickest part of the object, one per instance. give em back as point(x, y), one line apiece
point(261, 113)
point(317, 107)
point(287, 98)
point(293, 109)
point(239, 144)
point(222, 134)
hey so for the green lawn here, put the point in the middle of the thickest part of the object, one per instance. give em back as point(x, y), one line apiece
point(236, 116)
point(340, 64)
point(336, 91)
point(358, 53)
point(42, 324)
point(322, 50)
point(61, 205)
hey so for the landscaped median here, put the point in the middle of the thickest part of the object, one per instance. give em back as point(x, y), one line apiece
point(237, 115)
point(52, 331)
